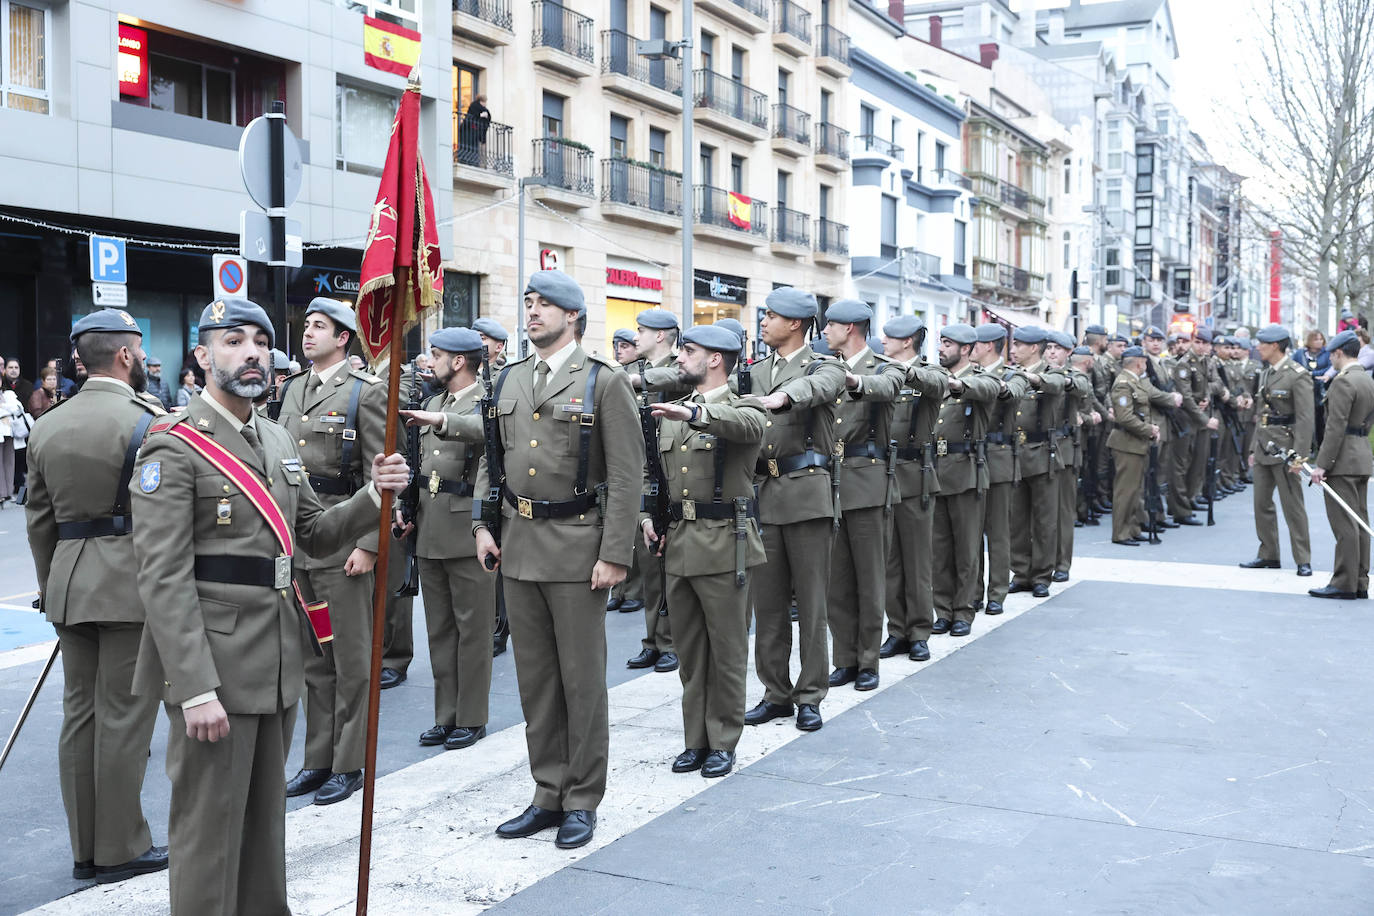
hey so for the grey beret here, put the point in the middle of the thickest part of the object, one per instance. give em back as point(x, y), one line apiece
point(820, 347)
point(1095, 329)
point(791, 303)
point(904, 326)
point(624, 335)
point(1273, 333)
point(341, 313)
point(875, 343)
point(1340, 340)
point(1029, 333)
point(279, 361)
point(1203, 333)
point(849, 311)
point(456, 340)
point(731, 324)
point(656, 319)
point(712, 337)
point(1155, 332)
point(991, 332)
point(492, 328)
point(1132, 351)
point(115, 321)
point(1059, 338)
point(1082, 351)
point(1118, 338)
point(960, 333)
point(233, 313)
point(559, 288)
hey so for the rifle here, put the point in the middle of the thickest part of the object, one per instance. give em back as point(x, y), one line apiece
point(1154, 501)
point(410, 497)
point(273, 397)
point(744, 379)
point(1176, 425)
point(655, 502)
point(1212, 475)
point(488, 508)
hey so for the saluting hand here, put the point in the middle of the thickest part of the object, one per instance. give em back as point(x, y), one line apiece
point(775, 401)
point(671, 411)
point(207, 722)
point(422, 417)
point(390, 472)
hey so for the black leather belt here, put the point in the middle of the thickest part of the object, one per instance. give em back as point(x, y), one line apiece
point(543, 508)
point(998, 438)
point(1278, 419)
point(437, 485)
point(866, 450)
point(1357, 430)
point(956, 448)
point(232, 570)
point(333, 486)
point(776, 467)
point(690, 510)
point(114, 526)
point(910, 452)
point(1038, 437)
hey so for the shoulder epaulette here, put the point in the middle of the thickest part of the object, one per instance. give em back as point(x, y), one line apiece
point(364, 375)
point(607, 361)
point(166, 422)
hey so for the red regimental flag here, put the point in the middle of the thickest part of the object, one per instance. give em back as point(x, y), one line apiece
point(402, 233)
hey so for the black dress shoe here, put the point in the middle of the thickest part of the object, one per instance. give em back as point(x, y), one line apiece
point(1165, 523)
point(940, 626)
point(155, 859)
point(613, 603)
point(978, 604)
point(1078, 523)
point(1259, 563)
point(498, 645)
point(690, 759)
point(1304, 569)
point(867, 679)
point(1018, 587)
point(1127, 542)
point(808, 717)
point(767, 712)
point(1362, 593)
point(465, 736)
point(994, 608)
point(1059, 575)
point(718, 764)
point(391, 677)
point(666, 662)
point(1330, 591)
point(841, 676)
point(893, 645)
point(1188, 520)
point(529, 822)
point(645, 659)
point(960, 628)
point(339, 787)
point(1040, 590)
point(1200, 505)
point(306, 781)
point(920, 652)
point(435, 736)
point(630, 605)
point(83, 871)
point(577, 829)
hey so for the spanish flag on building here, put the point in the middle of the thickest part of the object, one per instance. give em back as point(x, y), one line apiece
point(390, 47)
point(741, 209)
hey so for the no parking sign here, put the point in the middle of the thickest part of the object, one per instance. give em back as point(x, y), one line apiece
point(230, 276)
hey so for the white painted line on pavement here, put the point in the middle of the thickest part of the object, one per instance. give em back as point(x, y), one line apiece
point(1195, 575)
point(38, 652)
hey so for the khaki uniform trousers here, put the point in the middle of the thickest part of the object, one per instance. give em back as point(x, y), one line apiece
point(1068, 514)
point(997, 530)
point(102, 752)
point(227, 826)
point(711, 622)
point(460, 602)
point(858, 588)
point(1128, 489)
point(1350, 571)
point(558, 630)
point(657, 627)
point(798, 564)
point(1104, 460)
point(336, 683)
point(1268, 477)
point(910, 600)
point(956, 536)
point(1179, 504)
point(1197, 470)
point(1035, 506)
point(398, 637)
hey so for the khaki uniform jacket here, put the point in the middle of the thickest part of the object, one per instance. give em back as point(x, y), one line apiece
point(1192, 381)
point(542, 445)
point(1036, 415)
point(1078, 392)
point(1004, 454)
point(706, 546)
point(916, 409)
point(1349, 403)
point(863, 413)
point(1131, 413)
point(243, 641)
point(1284, 390)
point(316, 423)
point(963, 422)
point(1162, 395)
point(812, 384)
point(75, 458)
point(444, 528)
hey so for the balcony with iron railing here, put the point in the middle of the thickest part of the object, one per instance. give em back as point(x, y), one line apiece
point(791, 28)
point(1022, 282)
point(749, 15)
point(832, 51)
point(640, 193)
point(745, 223)
point(791, 130)
point(623, 71)
point(832, 242)
point(925, 267)
point(562, 39)
point(951, 177)
point(872, 143)
point(486, 21)
point(563, 170)
point(791, 232)
point(832, 147)
point(483, 152)
point(729, 105)
point(1012, 196)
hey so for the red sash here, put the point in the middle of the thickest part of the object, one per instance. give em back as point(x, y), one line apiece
point(231, 466)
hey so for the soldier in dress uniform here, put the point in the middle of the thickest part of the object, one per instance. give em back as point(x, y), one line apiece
point(81, 459)
point(868, 493)
point(459, 595)
point(1035, 500)
point(796, 507)
point(337, 416)
point(1132, 433)
point(574, 463)
point(708, 445)
point(1004, 459)
point(1075, 403)
point(628, 596)
point(1207, 382)
point(957, 529)
point(1102, 374)
point(494, 338)
point(1344, 463)
point(1286, 405)
point(910, 598)
point(1168, 392)
point(220, 501)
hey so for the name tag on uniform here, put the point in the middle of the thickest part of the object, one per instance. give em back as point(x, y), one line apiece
point(281, 571)
point(570, 408)
point(330, 418)
point(907, 392)
point(291, 464)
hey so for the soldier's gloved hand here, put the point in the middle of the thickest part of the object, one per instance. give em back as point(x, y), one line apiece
point(207, 722)
point(359, 562)
point(390, 472)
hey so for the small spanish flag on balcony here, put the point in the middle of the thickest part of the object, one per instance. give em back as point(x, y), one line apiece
point(390, 47)
point(741, 209)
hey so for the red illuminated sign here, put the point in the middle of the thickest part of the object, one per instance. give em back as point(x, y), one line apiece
point(133, 61)
point(617, 277)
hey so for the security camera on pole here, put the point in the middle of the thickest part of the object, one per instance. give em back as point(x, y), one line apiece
point(270, 160)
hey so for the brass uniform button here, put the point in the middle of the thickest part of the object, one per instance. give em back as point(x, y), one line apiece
point(301, 442)
point(534, 443)
point(684, 448)
point(436, 451)
point(305, 419)
point(536, 415)
point(226, 488)
point(684, 470)
point(531, 472)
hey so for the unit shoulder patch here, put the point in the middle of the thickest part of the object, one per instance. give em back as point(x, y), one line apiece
point(150, 477)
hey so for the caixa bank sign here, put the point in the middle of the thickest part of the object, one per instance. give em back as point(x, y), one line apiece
point(333, 282)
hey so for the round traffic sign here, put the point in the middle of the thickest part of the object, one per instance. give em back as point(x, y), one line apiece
point(255, 162)
point(230, 277)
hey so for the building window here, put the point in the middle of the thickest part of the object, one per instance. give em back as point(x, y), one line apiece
point(960, 243)
point(867, 116)
point(1113, 194)
point(402, 12)
point(708, 51)
point(888, 243)
point(658, 145)
point(364, 117)
point(467, 85)
point(189, 88)
point(23, 56)
point(1114, 155)
point(737, 174)
point(940, 158)
point(210, 82)
point(784, 185)
point(784, 78)
point(1068, 175)
point(1068, 250)
point(620, 131)
point(1113, 267)
point(706, 158)
point(553, 115)
point(823, 202)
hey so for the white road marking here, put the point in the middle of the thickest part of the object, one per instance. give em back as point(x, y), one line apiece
point(1294, 767)
point(38, 652)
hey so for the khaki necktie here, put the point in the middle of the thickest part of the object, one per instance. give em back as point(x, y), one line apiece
point(313, 385)
point(541, 383)
point(778, 364)
point(254, 443)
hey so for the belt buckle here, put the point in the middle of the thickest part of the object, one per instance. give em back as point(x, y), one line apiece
point(773, 467)
point(587, 419)
point(524, 506)
point(433, 484)
point(1264, 420)
point(1020, 437)
point(281, 572)
point(941, 447)
point(689, 510)
point(349, 435)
